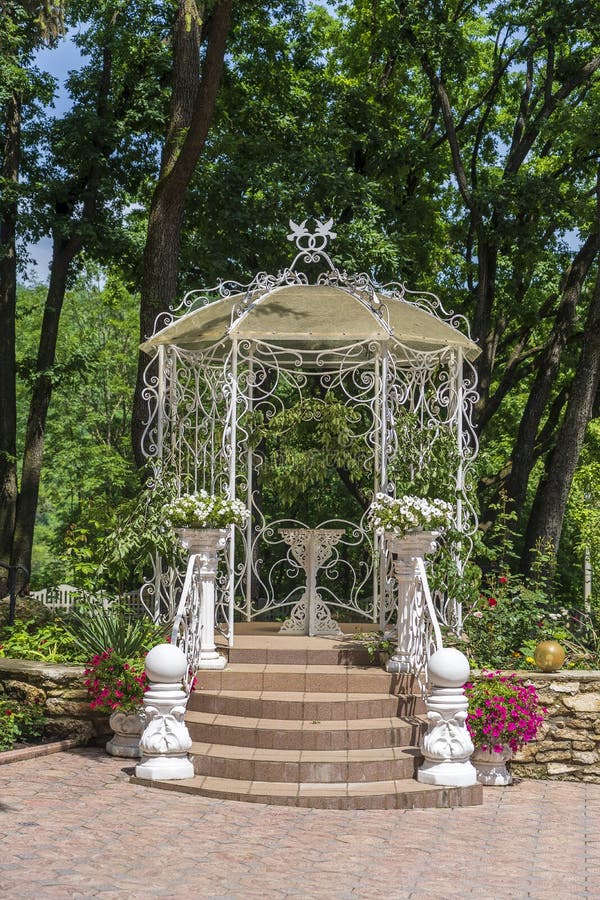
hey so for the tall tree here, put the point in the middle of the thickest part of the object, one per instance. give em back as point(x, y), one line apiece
point(547, 514)
point(23, 28)
point(195, 84)
point(77, 184)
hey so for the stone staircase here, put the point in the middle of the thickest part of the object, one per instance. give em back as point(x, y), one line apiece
point(313, 728)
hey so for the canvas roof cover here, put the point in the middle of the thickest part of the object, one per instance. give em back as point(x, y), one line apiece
point(312, 316)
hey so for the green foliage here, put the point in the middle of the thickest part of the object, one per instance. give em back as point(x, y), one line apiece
point(428, 459)
point(137, 534)
point(88, 470)
point(502, 619)
point(20, 722)
point(324, 110)
point(95, 629)
point(51, 642)
point(306, 442)
point(376, 644)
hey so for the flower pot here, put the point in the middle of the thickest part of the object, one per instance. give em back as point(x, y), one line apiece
point(127, 727)
point(202, 540)
point(491, 766)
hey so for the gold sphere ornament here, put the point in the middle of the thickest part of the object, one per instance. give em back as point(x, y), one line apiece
point(549, 656)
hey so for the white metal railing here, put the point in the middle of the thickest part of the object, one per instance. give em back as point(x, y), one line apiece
point(418, 628)
point(194, 625)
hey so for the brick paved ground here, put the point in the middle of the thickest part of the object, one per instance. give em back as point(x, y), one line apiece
point(72, 826)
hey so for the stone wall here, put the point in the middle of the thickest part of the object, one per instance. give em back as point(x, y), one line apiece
point(568, 748)
point(61, 692)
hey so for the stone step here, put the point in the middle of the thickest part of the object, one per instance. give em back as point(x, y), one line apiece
point(294, 734)
point(302, 678)
point(305, 705)
point(347, 653)
point(299, 766)
point(391, 794)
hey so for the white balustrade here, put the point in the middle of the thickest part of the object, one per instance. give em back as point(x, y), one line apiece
point(194, 626)
point(447, 745)
point(416, 616)
point(165, 741)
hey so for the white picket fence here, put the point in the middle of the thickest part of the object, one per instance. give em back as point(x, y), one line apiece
point(65, 598)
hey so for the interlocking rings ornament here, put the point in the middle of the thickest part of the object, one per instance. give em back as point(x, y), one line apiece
point(311, 243)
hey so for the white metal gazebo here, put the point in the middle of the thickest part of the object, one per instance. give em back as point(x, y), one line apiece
point(228, 362)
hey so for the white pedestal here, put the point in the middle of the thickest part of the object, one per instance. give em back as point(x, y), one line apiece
point(410, 654)
point(204, 545)
point(165, 741)
point(447, 745)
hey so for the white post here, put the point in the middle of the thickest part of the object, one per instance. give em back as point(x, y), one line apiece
point(249, 490)
point(460, 475)
point(447, 746)
point(160, 413)
point(410, 654)
point(165, 741)
point(232, 477)
point(587, 580)
point(204, 545)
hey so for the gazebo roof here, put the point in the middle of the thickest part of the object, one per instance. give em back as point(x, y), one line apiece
point(313, 316)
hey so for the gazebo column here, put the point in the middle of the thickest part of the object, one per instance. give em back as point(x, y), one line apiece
point(249, 490)
point(232, 483)
point(460, 475)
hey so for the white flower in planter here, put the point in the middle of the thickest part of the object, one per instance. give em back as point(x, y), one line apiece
point(408, 513)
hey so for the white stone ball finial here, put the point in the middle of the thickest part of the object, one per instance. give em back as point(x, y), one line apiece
point(448, 668)
point(165, 664)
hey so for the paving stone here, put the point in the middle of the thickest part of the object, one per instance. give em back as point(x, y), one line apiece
point(96, 835)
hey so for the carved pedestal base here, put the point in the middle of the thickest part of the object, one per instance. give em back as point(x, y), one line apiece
point(166, 740)
point(447, 745)
point(299, 620)
point(212, 661)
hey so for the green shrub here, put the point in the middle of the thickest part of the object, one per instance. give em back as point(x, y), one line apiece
point(20, 722)
point(94, 629)
point(505, 616)
point(47, 643)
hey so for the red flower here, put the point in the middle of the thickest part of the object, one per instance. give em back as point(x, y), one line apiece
point(492, 601)
point(502, 580)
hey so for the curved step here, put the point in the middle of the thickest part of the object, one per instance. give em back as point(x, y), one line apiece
point(292, 734)
point(305, 705)
point(330, 679)
point(392, 794)
point(344, 653)
point(294, 766)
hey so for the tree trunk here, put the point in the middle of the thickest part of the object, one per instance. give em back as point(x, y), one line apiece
point(64, 250)
point(487, 253)
point(63, 254)
point(8, 305)
point(546, 519)
point(179, 160)
point(523, 454)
